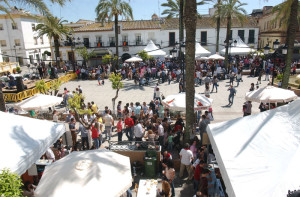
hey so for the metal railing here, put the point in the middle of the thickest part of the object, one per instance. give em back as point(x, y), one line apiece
point(133, 146)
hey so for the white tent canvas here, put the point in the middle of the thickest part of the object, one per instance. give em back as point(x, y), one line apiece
point(259, 155)
point(24, 140)
point(87, 173)
point(200, 51)
point(153, 50)
point(134, 59)
point(240, 49)
point(216, 57)
point(271, 94)
point(176, 102)
point(39, 102)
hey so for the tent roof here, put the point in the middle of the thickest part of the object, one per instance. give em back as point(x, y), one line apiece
point(153, 50)
point(24, 140)
point(271, 94)
point(86, 173)
point(216, 57)
point(134, 59)
point(200, 51)
point(38, 102)
point(259, 155)
point(240, 49)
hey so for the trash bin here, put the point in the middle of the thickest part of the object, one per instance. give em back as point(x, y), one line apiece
point(150, 163)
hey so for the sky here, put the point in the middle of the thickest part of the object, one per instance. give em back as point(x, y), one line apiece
point(142, 9)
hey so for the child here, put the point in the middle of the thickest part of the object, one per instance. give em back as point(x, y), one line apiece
point(99, 80)
point(170, 142)
point(119, 129)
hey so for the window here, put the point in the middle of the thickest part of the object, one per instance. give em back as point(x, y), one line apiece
point(1, 26)
point(17, 42)
point(14, 26)
point(33, 27)
point(203, 38)
point(138, 39)
point(230, 36)
point(251, 36)
point(42, 40)
point(99, 41)
point(241, 34)
point(35, 40)
point(31, 59)
point(3, 43)
point(112, 42)
point(86, 42)
point(172, 39)
point(125, 40)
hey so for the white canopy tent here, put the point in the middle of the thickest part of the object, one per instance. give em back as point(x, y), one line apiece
point(85, 174)
point(153, 50)
point(176, 102)
point(271, 94)
point(216, 57)
point(24, 140)
point(39, 102)
point(259, 155)
point(202, 58)
point(134, 59)
point(200, 51)
point(240, 49)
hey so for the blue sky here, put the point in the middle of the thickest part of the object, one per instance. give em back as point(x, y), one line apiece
point(142, 9)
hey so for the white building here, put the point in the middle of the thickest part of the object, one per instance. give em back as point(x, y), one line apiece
point(18, 40)
point(134, 35)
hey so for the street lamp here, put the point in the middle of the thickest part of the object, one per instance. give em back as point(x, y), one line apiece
point(234, 43)
point(284, 50)
point(276, 44)
point(173, 52)
point(73, 43)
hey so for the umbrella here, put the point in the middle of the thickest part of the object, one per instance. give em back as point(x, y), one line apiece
point(176, 102)
point(216, 57)
point(271, 94)
point(202, 58)
point(87, 173)
point(39, 102)
point(134, 59)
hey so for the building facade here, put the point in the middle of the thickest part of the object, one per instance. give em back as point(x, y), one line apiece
point(134, 36)
point(19, 41)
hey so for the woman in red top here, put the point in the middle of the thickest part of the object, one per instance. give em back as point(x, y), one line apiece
point(95, 134)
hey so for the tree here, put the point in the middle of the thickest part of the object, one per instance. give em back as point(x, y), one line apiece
point(287, 13)
point(85, 54)
point(55, 85)
point(38, 5)
point(190, 26)
point(217, 18)
point(116, 84)
point(75, 104)
point(41, 86)
point(106, 59)
point(2, 102)
point(231, 9)
point(108, 9)
point(144, 55)
point(10, 184)
point(55, 29)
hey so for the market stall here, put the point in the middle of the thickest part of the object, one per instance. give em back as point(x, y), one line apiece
point(87, 173)
point(216, 57)
point(154, 51)
point(238, 48)
point(259, 155)
point(134, 59)
point(201, 51)
point(24, 140)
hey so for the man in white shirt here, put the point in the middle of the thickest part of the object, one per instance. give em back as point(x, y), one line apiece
point(49, 154)
point(139, 132)
point(108, 122)
point(186, 157)
point(161, 133)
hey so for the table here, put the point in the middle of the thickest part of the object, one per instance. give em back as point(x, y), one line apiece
point(146, 184)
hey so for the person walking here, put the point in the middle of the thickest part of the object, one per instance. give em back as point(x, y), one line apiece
point(95, 134)
point(73, 131)
point(109, 123)
point(186, 157)
point(232, 93)
point(139, 131)
point(120, 130)
point(161, 134)
point(84, 137)
point(215, 84)
point(129, 127)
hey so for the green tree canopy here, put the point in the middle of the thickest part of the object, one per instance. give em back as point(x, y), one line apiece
point(10, 184)
point(85, 54)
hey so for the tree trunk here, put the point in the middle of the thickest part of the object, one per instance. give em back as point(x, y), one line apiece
point(117, 39)
point(218, 27)
point(190, 28)
point(114, 101)
point(181, 26)
point(56, 48)
point(227, 42)
point(291, 35)
point(2, 102)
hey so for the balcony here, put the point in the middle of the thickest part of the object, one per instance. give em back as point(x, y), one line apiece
point(124, 43)
point(99, 44)
point(111, 44)
point(138, 42)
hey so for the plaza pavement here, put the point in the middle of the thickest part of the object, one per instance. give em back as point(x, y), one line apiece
point(102, 95)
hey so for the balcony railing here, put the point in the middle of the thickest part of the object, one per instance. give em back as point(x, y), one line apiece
point(99, 44)
point(111, 44)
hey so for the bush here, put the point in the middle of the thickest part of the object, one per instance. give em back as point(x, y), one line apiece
point(279, 77)
point(10, 184)
point(18, 69)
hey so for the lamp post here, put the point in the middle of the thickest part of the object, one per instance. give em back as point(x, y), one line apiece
point(267, 50)
point(228, 46)
point(73, 43)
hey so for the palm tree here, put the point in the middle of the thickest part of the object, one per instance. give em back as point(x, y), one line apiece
point(113, 9)
point(217, 18)
point(190, 26)
point(54, 28)
point(232, 9)
point(39, 5)
point(287, 13)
